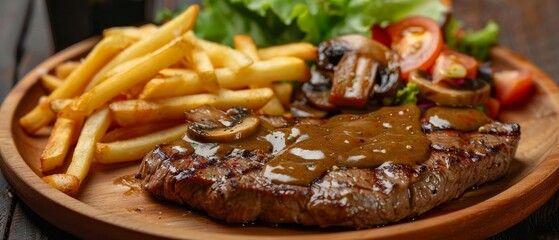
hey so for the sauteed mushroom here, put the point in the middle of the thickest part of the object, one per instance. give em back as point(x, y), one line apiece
point(209, 124)
point(317, 89)
point(354, 79)
point(363, 69)
point(331, 52)
point(473, 93)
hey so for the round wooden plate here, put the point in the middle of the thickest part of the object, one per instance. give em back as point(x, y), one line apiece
point(111, 205)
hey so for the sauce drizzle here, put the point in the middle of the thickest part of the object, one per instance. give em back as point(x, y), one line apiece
point(365, 141)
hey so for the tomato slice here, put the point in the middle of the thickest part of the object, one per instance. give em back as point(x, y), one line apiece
point(452, 65)
point(512, 85)
point(380, 35)
point(418, 41)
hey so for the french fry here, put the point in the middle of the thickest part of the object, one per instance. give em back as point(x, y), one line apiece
point(164, 34)
point(63, 70)
point(302, 50)
point(181, 82)
point(135, 34)
point(141, 72)
point(132, 32)
point(132, 112)
point(224, 56)
point(273, 107)
point(93, 129)
point(200, 62)
point(59, 142)
point(125, 66)
point(133, 131)
point(186, 84)
point(57, 105)
point(74, 84)
point(65, 183)
point(136, 148)
point(245, 44)
point(148, 29)
point(51, 82)
point(134, 91)
point(283, 91)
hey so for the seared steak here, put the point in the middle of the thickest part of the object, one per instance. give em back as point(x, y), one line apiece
point(233, 187)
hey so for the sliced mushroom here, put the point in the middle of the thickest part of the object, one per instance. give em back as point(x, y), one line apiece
point(209, 116)
point(371, 68)
point(331, 52)
point(318, 89)
point(387, 84)
point(242, 129)
point(473, 93)
point(353, 80)
point(209, 124)
point(300, 108)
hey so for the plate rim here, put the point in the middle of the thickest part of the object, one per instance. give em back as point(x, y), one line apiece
point(40, 196)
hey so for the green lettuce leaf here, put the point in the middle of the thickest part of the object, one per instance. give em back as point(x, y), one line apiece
point(272, 22)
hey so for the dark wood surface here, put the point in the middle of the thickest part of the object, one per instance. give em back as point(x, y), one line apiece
point(527, 27)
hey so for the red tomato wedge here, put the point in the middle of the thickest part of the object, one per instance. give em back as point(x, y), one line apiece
point(512, 85)
point(418, 41)
point(452, 62)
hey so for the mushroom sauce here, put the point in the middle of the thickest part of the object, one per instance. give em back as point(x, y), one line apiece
point(304, 152)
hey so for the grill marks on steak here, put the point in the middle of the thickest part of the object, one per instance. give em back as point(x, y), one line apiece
point(234, 189)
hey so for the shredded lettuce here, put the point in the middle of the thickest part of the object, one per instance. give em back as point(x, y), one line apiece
point(272, 22)
point(407, 94)
point(473, 43)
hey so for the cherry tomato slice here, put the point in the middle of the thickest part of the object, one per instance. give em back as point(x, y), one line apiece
point(512, 85)
point(380, 35)
point(418, 41)
point(452, 65)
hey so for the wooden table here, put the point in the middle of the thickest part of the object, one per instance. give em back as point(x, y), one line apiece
point(527, 27)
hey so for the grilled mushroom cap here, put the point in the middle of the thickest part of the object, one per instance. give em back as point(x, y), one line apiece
point(475, 93)
point(213, 125)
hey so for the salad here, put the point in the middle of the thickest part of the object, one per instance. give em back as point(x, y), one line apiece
point(424, 34)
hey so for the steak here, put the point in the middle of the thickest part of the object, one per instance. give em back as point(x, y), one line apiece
point(233, 187)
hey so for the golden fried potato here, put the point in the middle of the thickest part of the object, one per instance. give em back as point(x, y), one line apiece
point(181, 82)
point(93, 129)
point(132, 112)
point(138, 73)
point(136, 148)
point(74, 84)
point(51, 82)
point(302, 50)
point(62, 136)
point(161, 37)
point(63, 70)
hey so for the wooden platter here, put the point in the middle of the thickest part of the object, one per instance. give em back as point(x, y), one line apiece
point(111, 205)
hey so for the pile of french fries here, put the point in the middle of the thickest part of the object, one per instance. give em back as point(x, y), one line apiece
point(131, 91)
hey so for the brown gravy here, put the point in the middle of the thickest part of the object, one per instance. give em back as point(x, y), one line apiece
point(461, 119)
point(389, 134)
point(304, 152)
